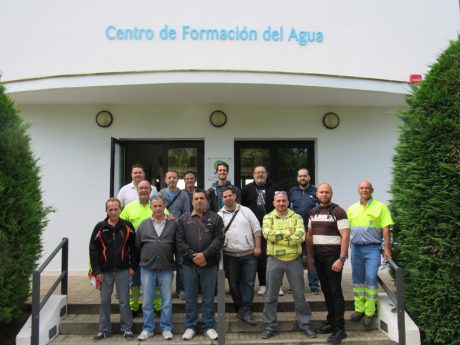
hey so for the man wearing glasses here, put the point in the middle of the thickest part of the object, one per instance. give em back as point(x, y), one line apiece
point(284, 232)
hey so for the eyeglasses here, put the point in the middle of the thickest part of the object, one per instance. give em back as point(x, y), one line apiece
point(280, 192)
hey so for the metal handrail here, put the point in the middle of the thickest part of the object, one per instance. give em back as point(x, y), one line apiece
point(398, 300)
point(63, 278)
point(221, 301)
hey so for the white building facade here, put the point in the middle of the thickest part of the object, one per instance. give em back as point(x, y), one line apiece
point(161, 68)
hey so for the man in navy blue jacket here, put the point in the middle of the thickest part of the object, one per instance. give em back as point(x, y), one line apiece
point(302, 199)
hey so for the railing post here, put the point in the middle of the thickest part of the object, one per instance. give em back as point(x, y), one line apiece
point(65, 266)
point(35, 333)
point(221, 301)
point(400, 304)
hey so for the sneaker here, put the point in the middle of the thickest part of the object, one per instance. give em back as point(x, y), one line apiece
point(212, 334)
point(129, 335)
point(315, 291)
point(145, 335)
point(367, 320)
point(188, 334)
point(281, 293)
point(356, 316)
point(101, 336)
point(262, 290)
point(167, 335)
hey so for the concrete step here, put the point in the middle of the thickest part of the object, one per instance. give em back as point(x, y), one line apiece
point(374, 337)
point(88, 323)
point(285, 303)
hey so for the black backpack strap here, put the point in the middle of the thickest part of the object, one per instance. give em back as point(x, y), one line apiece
point(173, 200)
point(231, 221)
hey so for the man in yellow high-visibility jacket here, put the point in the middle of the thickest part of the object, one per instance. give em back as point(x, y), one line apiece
point(370, 222)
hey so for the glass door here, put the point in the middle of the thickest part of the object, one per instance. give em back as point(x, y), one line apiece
point(282, 159)
point(157, 157)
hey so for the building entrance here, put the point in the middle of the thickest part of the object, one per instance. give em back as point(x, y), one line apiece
point(157, 157)
point(282, 158)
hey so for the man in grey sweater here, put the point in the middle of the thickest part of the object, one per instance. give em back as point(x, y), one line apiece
point(155, 240)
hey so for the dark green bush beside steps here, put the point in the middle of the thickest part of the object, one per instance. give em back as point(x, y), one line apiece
point(22, 214)
point(426, 200)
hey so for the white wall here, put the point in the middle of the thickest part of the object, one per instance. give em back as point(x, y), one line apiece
point(74, 153)
point(369, 39)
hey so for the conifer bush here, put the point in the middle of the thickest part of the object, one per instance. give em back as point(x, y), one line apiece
point(426, 200)
point(22, 214)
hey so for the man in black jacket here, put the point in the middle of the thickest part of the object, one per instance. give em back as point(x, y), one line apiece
point(258, 196)
point(113, 258)
point(199, 239)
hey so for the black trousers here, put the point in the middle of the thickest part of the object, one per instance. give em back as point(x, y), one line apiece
point(262, 263)
point(331, 284)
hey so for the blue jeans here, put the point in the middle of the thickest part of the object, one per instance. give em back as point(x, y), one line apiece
point(365, 262)
point(150, 280)
point(241, 275)
point(194, 277)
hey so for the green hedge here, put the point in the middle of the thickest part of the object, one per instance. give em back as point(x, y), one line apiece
point(426, 200)
point(22, 214)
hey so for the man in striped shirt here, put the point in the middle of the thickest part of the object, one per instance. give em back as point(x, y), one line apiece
point(328, 238)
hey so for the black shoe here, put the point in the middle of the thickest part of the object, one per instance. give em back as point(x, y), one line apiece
point(249, 319)
point(101, 336)
point(309, 333)
point(315, 291)
point(367, 320)
point(356, 316)
point(268, 333)
point(326, 329)
point(336, 337)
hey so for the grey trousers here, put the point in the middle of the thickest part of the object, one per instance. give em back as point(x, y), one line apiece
point(275, 273)
point(121, 280)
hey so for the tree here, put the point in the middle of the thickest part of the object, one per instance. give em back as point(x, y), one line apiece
point(22, 214)
point(426, 200)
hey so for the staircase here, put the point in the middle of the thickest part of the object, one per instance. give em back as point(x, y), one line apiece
point(81, 323)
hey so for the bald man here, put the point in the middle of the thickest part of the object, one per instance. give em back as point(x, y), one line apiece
point(370, 222)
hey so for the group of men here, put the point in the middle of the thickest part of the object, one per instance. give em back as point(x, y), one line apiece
point(261, 230)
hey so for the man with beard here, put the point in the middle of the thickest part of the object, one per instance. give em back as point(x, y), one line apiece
point(241, 249)
point(284, 232)
point(302, 198)
point(327, 240)
point(200, 238)
point(215, 191)
point(258, 196)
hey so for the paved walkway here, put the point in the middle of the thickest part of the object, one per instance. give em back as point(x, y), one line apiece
point(81, 292)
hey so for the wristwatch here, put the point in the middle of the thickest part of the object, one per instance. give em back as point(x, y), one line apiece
point(343, 258)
